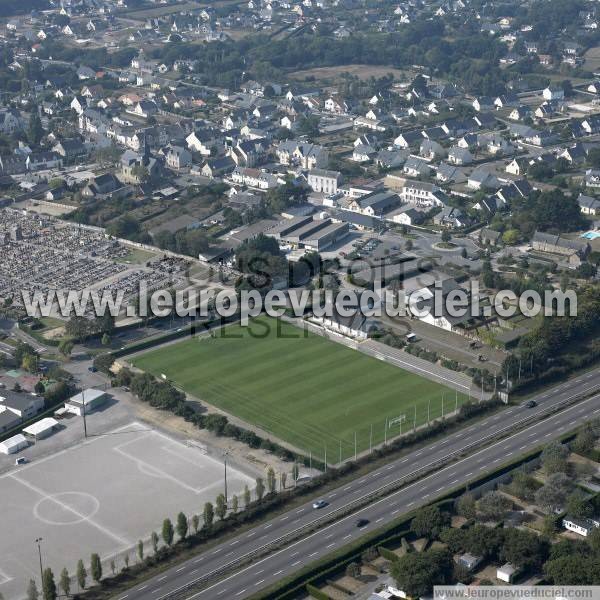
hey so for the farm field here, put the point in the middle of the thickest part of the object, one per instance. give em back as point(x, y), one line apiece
point(304, 389)
point(331, 75)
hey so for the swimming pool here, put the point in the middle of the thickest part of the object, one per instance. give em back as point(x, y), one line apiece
point(591, 235)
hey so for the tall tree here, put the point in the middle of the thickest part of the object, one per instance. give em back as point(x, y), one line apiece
point(96, 567)
point(195, 523)
point(35, 130)
point(32, 591)
point(81, 574)
point(65, 582)
point(208, 515)
point(167, 532)
point(48, 585)
point(182, 526)
point(140, 550)
point(260, 488)
point(429, 521)
point(154, 540)
point(220, 507)
point(271, 480)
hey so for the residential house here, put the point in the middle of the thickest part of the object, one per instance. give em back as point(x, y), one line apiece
point(391, 159)
point(553, 92)
point(574, 251)
point(415, 166)
point(375, 204)
point(410, 216)
point(581, 526)
point(362, 153)
point(138, 168)
point(432, 150)
point(446, 173)
point(483, 103)
point(70, 149)
point(459, 156)
point(144, 108)
point(451, 218)
point(321, 180)
point(217, 167)
point(10, 121)
point(178, 157)
point(422, 194)
point(37, 161)
point(589, 206)
point(307, 156)
point(248, 153)
point(24, 406)
point(481, 179)
point(12, 164)
point(102, 185)
point(203, 141)
point(517, 166)
point(409, 139)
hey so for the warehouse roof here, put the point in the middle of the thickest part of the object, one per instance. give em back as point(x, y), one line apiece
point(41, 426)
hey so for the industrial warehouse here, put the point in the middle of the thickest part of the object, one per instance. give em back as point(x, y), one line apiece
point(309, 233)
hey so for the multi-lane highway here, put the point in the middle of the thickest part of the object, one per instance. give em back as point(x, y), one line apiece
point(250, 578)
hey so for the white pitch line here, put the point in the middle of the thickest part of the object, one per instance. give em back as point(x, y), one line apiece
point(70, 509)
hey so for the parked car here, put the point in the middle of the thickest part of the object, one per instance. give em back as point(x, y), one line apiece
point(21, 461)
point(530, 404)
point(362, 523)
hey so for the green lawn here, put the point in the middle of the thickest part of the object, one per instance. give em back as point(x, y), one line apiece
point(304, 389)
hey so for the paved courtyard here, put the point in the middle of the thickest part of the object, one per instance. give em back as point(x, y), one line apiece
point(101, 496)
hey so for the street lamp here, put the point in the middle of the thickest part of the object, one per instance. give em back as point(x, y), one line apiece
point(225, 455)
point(38, 541)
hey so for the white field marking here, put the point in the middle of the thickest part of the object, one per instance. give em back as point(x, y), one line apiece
point(296, 563)
point(164, 474)
point(437, 375)
point(386, 499)
point(70, 509)
point(4, 578)
point(162, 578)
point(259, 582)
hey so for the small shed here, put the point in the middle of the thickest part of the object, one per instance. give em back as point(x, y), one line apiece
point(506, 573)
point(469, 561)
point(42, 429)
point(14, 444)
point(89, 400)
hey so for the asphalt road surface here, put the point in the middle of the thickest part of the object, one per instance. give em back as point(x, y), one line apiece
point(263, 572)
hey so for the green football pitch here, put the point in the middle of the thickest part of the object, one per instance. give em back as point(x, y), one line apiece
point(311, 392)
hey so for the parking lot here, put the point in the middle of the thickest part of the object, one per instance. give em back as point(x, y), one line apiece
point(88, 499)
